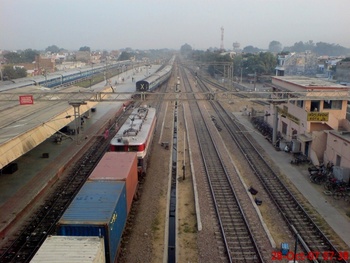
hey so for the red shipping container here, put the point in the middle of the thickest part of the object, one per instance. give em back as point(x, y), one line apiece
point(118, 166)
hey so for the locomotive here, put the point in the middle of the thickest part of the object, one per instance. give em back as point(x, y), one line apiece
point(135, 135)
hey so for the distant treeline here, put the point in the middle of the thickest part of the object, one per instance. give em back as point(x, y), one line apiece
point(319, 48)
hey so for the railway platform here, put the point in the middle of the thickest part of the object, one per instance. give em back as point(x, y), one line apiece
point(40, 168)
point(334, 215)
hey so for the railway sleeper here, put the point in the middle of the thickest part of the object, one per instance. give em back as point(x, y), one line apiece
point(233, 222)
point(237, 235)
point(241, 245)
point(227, 215)
point(244, 259)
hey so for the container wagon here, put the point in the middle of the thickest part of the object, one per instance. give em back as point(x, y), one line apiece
point(71, 249)
point(115, 166)
point(99, 209)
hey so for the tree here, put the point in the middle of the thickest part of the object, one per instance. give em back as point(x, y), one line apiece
point(267, 63)
point(13, 57)
point(125, 56)
point(29, 55)
point(85, 48)
point(320, 48)
point(251, 49)
point(11, 72)
point(186, 50)
point(261, 63)
point(275, 46)
point(52, 49)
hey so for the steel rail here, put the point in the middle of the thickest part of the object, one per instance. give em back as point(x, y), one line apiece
point(292, 211)
point(239, 241)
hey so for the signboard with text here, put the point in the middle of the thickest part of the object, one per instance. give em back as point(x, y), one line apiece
point(317, 116)
point(26, 99)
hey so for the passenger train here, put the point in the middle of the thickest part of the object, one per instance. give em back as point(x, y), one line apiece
point(91, 228)
point(62, 77)
point(155, 80)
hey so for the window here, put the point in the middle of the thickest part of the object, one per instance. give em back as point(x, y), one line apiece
point(315, 105)
point(284, 128)
point(300, 103)
point(338, 160)
point(133, 148)
point(332, 104)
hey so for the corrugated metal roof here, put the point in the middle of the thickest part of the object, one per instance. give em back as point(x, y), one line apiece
point(24, 127)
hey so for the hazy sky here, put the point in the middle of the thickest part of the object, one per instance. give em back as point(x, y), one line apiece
point(154, 24)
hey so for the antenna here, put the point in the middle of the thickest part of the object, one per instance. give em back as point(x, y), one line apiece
point(222, 39)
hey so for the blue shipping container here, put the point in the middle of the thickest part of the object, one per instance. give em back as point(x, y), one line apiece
point(99, 209)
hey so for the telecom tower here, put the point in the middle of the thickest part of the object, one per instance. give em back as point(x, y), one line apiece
point(222, 39)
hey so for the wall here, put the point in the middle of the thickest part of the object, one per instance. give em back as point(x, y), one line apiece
point(336, 145)
point(343, 71)
point(319, 144)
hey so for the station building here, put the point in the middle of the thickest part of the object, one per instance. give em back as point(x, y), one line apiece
point(310, 116)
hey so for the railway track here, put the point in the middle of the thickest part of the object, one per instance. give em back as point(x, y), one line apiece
point(239, 243)
point(220, 87)
point(311, 238)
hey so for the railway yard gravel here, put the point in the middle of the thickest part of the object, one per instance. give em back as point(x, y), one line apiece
point(146, 236)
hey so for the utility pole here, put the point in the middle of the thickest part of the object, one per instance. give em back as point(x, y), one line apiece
point(255, 81)
point(241, 74)
point(92, 74)
point(1, 76)
point(222, 39)
point(184, 161)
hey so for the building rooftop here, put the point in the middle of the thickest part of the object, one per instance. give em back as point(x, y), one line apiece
point(307, 82)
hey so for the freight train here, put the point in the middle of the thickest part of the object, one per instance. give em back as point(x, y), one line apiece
point(60, 78)
point(91, 228)
point(152, 82)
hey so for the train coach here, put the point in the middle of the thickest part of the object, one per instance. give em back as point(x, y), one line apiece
point(136, 135)
point(62, 77)
point(155, 80)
